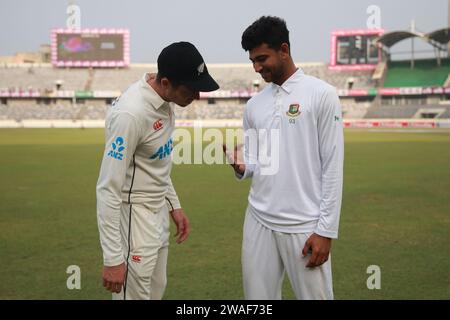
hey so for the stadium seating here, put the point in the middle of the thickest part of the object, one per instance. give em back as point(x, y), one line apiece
point(407, 111)
point(118, 79)
point(425, 73)
point(236, 78)
point(43, 78)
point(341, 80)
point(219, 110)
point(352, 110)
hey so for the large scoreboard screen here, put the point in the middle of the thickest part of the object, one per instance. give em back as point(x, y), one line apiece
point(90, 48)
point(355, 49)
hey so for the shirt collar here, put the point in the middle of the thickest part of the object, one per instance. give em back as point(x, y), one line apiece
point(288, 85)
point(150, 94)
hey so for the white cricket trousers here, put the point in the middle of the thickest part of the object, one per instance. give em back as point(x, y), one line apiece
point(147, 256)
point(266, 254)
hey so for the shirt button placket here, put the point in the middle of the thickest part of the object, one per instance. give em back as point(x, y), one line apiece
point(278, 105)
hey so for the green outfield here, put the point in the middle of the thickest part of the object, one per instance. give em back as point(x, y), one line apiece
point(396, 215)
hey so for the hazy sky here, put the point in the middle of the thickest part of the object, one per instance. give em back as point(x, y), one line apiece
point(214, 26)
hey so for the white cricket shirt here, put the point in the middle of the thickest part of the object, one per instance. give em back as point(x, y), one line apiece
point(136, 162)
point(304, 193)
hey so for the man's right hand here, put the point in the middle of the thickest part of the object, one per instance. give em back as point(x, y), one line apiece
point(114, 277)
point(236, 159)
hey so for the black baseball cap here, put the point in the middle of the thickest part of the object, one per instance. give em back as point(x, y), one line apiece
point(183, 64)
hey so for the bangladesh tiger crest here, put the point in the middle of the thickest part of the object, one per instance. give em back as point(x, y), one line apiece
point(294, 110)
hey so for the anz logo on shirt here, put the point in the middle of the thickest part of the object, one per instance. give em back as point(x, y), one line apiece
point(117, 149)
point(113, 104)
point(164, 150)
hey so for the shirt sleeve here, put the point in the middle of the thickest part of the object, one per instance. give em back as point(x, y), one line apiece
point(171, 197)
point(121, 138)
point(250, 159)
point(331, 150)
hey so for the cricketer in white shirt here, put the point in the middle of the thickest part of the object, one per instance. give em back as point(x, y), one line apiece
point(305, 192)
point(296, 186)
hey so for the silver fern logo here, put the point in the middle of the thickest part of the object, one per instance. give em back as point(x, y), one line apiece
point(201, 68)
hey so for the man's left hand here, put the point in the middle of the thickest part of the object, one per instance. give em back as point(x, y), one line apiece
point(319, 247)
point(182, 223)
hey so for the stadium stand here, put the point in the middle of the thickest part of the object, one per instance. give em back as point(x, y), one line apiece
point(341, 80)
point(369, 83)
point(21, 112)
point(230, 77)
point(42, 77)
point(118, 79)
point(426, 73)
point(219, 110)
point(388, 112)
point(85, 94)
point(446, 114)
point(353, 110)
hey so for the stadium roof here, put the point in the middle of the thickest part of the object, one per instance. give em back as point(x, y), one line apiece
point(441, 36)
point(391, 38)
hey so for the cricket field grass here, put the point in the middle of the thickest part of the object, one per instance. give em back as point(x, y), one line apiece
point(395, 215)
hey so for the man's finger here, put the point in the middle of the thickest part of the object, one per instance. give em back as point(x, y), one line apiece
point(232, 157)
point(118, 287)
point(306, 248)
point(109, 286)
point(183, 237)
point(323, 259)
point(229, 157)
point(180, 230)
point(184, 234)
point(313, 260)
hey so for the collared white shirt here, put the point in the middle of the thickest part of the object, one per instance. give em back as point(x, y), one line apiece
point(136, 162)
point(303, 190)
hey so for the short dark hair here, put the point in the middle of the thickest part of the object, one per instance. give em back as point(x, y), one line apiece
point(175, 84)
point(267, 29)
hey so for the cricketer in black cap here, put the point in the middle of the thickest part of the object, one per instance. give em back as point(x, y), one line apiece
point(136, 164)
point(182, 64)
